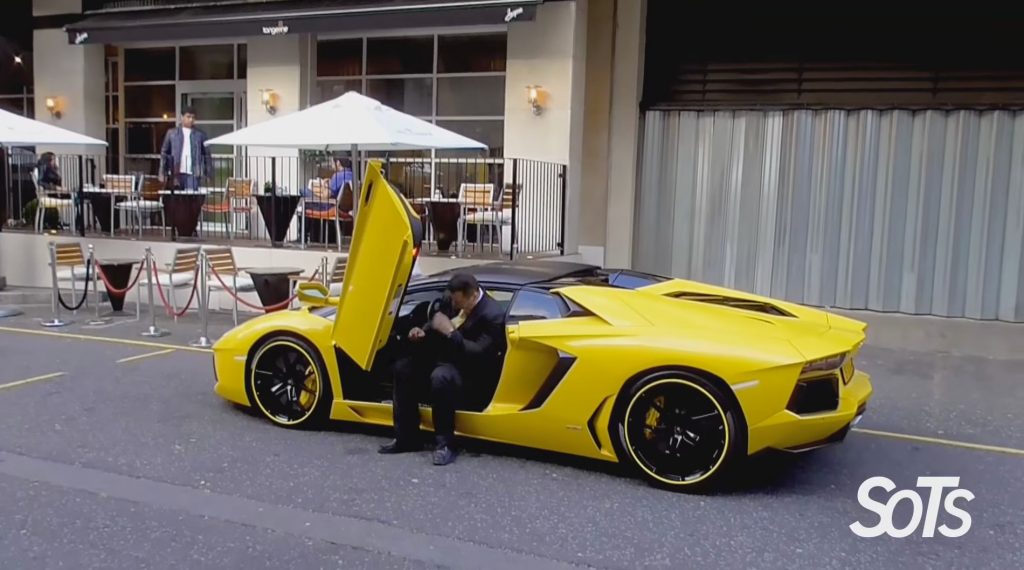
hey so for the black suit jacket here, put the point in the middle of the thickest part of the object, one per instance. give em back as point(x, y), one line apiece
point(477, 347)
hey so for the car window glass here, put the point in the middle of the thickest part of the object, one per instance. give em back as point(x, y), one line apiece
point(418, 299)
point(533, 305)
point(504, 298)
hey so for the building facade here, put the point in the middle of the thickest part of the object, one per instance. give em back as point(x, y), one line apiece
point(870, 162)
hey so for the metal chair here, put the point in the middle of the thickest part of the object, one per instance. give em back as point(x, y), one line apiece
point(222, 260)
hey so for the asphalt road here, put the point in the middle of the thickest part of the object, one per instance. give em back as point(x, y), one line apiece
point(138, 464)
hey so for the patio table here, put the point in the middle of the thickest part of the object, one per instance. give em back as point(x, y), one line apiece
point(273, 284)
point(119, 272)
point(277, 211)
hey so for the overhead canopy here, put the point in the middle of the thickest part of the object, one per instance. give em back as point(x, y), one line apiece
point(16, 130)
point(283, 18)
point(351, 120)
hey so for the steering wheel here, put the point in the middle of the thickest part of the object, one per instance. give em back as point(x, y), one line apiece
point(442, 304)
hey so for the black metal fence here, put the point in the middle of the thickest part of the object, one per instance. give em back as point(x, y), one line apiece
point(487, 207)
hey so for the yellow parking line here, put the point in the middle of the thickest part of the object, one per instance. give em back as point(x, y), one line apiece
point(147, 355)
point(33, 379)
point(103, 339)
point(939, 441)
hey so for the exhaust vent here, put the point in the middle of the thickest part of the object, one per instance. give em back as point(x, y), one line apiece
point(745, 304)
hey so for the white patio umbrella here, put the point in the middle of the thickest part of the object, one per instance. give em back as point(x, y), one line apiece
point(16, 130)
point(351, 122)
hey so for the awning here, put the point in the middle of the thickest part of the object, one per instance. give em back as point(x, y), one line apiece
point(286, 18)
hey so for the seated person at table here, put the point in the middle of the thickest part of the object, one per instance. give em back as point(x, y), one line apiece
point(48, 171)
point(342, 176)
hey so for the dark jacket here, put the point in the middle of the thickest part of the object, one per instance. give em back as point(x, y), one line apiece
point(49, 178)
point(478, 346)
point(173, 149)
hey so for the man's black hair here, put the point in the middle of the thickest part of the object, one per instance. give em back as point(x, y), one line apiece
point(190, 110)
point(343, 161)
point(463, 283)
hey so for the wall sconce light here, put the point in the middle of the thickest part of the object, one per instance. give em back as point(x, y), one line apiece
point(269, 100)
point(533, 98)
point(53, 106)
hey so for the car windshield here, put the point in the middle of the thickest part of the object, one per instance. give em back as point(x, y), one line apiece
point(619, 278)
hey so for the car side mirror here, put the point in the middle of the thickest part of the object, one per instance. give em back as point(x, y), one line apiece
point(315, 294)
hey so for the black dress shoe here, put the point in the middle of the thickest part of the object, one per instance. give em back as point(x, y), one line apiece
point(444, 455)
point(395, 446)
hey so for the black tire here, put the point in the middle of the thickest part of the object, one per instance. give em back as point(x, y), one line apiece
point(688, 445)
point(287, 383)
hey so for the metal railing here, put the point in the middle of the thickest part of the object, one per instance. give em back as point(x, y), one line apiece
point(486, 207)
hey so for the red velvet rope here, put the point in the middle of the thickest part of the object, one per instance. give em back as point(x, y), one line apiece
point(278, 306)
point(114, 290)
point(163, 299)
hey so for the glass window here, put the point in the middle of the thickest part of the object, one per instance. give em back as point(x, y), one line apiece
point(471, 96)
point(334, 88)
point(146, 137)
point(113, 150)
point(399, 56)
point(206, 62)
point(113, 110)
point(136, 165)
point(534, 305)
point(478, 53)
point(491, 133)
point(216, 130)
point(339, 58)
point(150, 64)
point(412, 96)
point(243, 60)
point(149, 101)
point(211, 107)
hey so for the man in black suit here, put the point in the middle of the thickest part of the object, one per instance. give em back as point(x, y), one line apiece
point(463, 342)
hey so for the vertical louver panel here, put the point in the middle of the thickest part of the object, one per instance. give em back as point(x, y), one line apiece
point(908, 211)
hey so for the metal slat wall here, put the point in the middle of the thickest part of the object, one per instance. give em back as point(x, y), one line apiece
point(902, 211)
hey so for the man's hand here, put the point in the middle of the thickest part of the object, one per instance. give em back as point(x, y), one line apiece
point(442, 324)
point(416, 334)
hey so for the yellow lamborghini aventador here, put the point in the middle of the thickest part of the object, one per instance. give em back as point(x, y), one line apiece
point(676, 378)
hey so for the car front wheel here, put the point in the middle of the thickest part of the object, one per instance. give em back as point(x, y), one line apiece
point(287, 382)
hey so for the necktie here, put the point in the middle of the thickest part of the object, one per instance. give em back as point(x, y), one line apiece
point(459, 319)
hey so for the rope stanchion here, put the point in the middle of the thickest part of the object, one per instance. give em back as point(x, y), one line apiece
point(204, 302)
point(153, 330)
point(274, 307)
point(56, 321)
point(97, 319)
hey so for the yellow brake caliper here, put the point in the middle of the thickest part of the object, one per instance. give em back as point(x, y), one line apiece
point(653, 415)
point(307, 396)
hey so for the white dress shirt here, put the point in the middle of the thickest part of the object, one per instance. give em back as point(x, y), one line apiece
point(186, 152)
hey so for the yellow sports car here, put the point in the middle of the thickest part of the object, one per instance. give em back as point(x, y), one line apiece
point(676, 378)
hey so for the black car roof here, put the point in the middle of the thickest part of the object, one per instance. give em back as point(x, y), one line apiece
point(516, 273)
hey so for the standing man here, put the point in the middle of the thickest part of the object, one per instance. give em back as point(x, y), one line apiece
point(465, 348)
point(184, 156)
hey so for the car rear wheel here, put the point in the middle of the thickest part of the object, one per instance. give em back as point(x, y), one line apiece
point(678, 430)
point(288, 383)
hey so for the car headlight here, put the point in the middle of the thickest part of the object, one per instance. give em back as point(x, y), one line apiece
point(824, 365)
